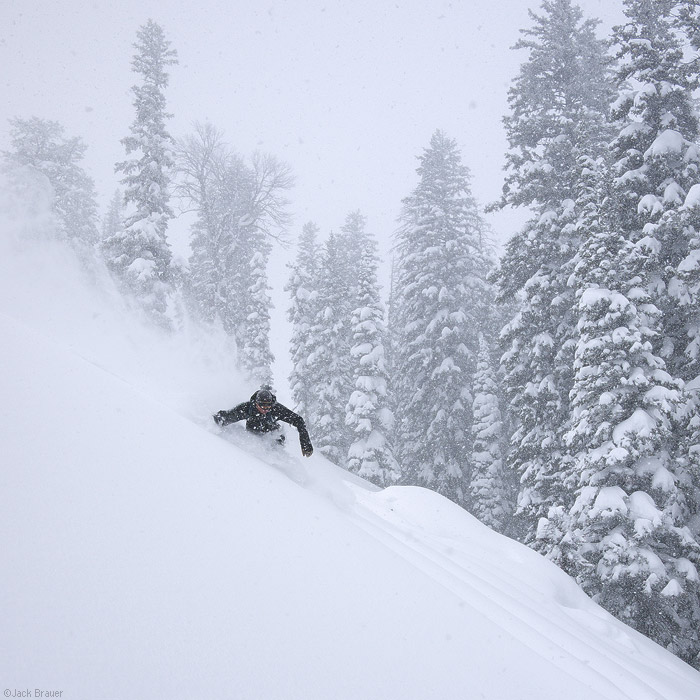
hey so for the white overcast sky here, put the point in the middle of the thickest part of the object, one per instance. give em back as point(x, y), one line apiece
point(347, 92)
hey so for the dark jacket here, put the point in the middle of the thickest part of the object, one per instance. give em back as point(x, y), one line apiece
point(258, 422)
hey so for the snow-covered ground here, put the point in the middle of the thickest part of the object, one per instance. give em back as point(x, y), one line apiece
point(147, 555)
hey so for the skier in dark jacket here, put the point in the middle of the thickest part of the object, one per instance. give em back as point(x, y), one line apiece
point(261, 415)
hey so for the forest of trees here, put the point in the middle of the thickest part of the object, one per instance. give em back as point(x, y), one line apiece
point(554, 392)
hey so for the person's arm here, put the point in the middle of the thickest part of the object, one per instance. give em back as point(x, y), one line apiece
point(240, 412)
point(294, 419)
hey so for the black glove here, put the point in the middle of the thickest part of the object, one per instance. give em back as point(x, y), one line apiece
point(219, 418)
point(307, 450)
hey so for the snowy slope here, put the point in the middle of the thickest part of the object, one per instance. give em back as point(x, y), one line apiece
point(146, 556)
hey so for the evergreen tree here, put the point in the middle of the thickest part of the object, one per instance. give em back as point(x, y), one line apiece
point(368, 414)
point(113, 221)
point(392, 321)
point(489, 489)
point(328, 364)
point(657, 159)
point(353, 242)
point(558, 119)
point(658, 167)
point(41, 145)
point(685, 289)
point(685, 285)
point(330, 356)
point(441, 303)
point(140, 255)
point(304, 289)
point(628, 540)
point(255, 355)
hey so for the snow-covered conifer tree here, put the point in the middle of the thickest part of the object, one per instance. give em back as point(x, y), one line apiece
point(391, 321)
point(113, 221)
point(140, 254)
point(41, 145)
point(329, 363)
point(631, 549)
point(303, 288)
point(558, 105)
point(629, 541)
point(657, 157)
point(685, 284)
point(488, 487)
point(353, 237)
point(441, 304)
point(658, 147)
point(368, 414)
point(330, 353)
point(255, 355)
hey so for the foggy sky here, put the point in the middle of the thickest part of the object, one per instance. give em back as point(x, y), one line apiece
point(348, 93)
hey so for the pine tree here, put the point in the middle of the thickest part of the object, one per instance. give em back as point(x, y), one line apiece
point(392, 321)
point(685, 284)
point(558, 119)
point(441, 303)
point(113, 221)
point(255, 355)
point(353, 241)
point(330, 355)
point(657, 158)
point(658, 151)
point(140, 255)
point(630, 548)
point(368, 415)
point(488, 487)
point(628, 539)
point(41, 145)
point(304, 289)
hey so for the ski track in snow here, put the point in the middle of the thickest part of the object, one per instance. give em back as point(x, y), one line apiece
point(463, 567)
point(440, 557)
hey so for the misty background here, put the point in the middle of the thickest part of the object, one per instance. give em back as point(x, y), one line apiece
point(347, 94)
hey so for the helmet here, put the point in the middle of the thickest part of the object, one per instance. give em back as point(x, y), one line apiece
point(264, 397)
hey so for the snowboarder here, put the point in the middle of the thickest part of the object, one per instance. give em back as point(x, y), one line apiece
point(261, 415)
